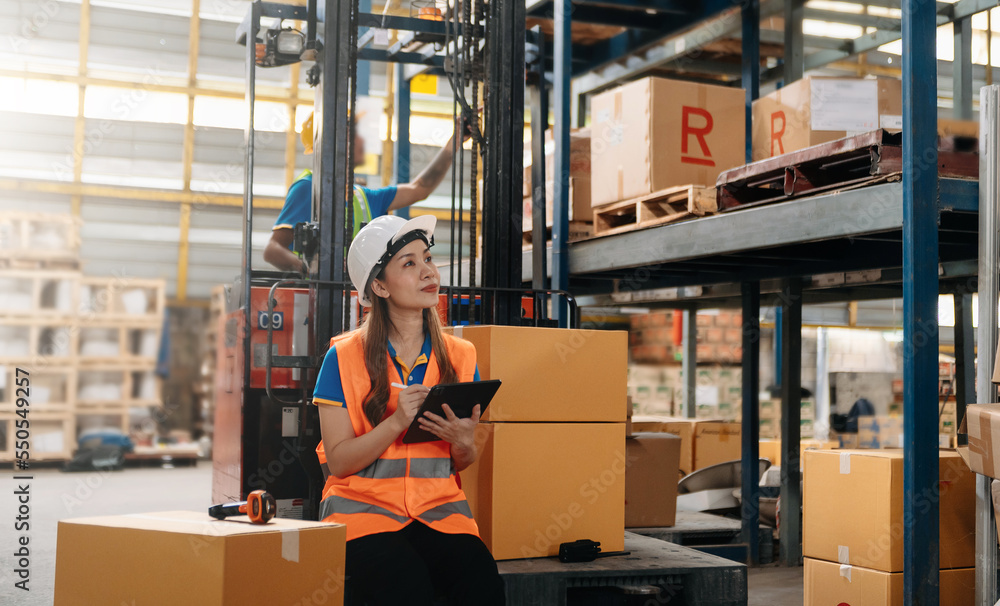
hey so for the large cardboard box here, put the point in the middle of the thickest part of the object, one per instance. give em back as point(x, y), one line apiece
point(827, 583)
point(716, 443)
point(183, 557)
point(552, 374)
point(704, 442)
point(579, 203)
point(771, 449)
point(654, 133)
point(866, 528)
point(816, 110)
point(982, 426)
point(651, 479)
point(536, 485)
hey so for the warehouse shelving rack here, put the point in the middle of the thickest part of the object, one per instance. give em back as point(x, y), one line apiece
point(875, 242)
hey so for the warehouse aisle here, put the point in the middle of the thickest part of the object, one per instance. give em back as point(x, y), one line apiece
point(775, 586)
point(55, 496)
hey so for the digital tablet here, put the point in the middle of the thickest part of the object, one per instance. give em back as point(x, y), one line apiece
point(460, 397)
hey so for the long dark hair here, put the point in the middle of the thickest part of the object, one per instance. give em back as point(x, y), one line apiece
point(374, 337)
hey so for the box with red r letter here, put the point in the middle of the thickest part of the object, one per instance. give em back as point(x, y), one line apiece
point(655, 133)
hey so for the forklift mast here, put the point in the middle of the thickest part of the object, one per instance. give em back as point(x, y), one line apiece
point(279, 325)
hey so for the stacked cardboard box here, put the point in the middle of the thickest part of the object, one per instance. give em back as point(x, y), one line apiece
point(654, 133)
point(771, 449)
point(770, 418)
point(655, 390)
point(853, 547)
point(552, 457)
point(579, 180)
point(651, 479)
point(703, 442)
point(815, 110)
point(183, 557)
point(720, 337)
point(651, 338)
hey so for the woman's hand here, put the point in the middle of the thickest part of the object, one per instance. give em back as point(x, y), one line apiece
point(410, 400)
point(458, 432)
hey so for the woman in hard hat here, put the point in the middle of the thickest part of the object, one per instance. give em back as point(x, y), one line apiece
point(410, 532)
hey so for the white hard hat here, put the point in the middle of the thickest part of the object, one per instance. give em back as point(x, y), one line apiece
point(377, 242)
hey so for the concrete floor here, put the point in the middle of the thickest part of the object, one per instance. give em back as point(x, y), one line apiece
point(57, 496)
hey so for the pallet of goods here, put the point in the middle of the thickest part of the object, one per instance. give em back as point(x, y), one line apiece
point(87, 344)
point(666, 206)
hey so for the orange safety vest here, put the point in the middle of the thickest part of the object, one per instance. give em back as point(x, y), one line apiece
point(408, 481)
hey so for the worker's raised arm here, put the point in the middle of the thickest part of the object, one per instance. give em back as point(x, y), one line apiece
point(277, 253)
point(426, 182)
point(432, 175)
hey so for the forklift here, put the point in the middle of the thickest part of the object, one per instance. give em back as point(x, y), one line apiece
point(278, 326)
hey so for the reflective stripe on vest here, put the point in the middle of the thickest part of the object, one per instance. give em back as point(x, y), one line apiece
point(335, 504)
point(384, 468)
point(441, 512)
point(438, 467)
point(409, 481)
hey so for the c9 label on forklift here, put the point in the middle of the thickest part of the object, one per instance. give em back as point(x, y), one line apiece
point(276, 320)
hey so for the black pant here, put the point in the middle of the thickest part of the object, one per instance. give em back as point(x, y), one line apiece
point(416, 564)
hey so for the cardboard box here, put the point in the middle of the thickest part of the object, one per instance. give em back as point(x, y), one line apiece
point(958, 128)
point(829, 583)
point(654, 133)
point(579, 203)
point(816, 110)
point(982, 426)
point(716, 443)
point(845, 440)
point(771, 449)
point(880, 432)
point(867, 528)
point(651, 479)
point(552, 374)
point(183, 557)
point(704, 442)
point(536, 485)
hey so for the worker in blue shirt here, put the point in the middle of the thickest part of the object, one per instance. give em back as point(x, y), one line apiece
point(368, 203)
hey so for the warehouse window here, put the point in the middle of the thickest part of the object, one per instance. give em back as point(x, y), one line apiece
point(38, 97)
point(224, 112)
point(135, 105)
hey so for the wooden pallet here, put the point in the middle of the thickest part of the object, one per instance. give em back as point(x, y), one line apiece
point(665, 206)
point(122, 300)
point(54, 264)
point(38, 293)
point(578, 230)
point(852, 162)
point(122, 346)
point(41, 237)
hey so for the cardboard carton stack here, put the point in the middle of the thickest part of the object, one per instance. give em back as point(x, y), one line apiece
point(654, 133)
point(580, 215)
point(655, 379)
point(86, 346)
point(651, 338)
point(703, 442)
point(655, 389)
point(770, 418)
point(817, 110)
point(720, 337)
point(853, 547)
point(552, 460)
point(651, 479)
